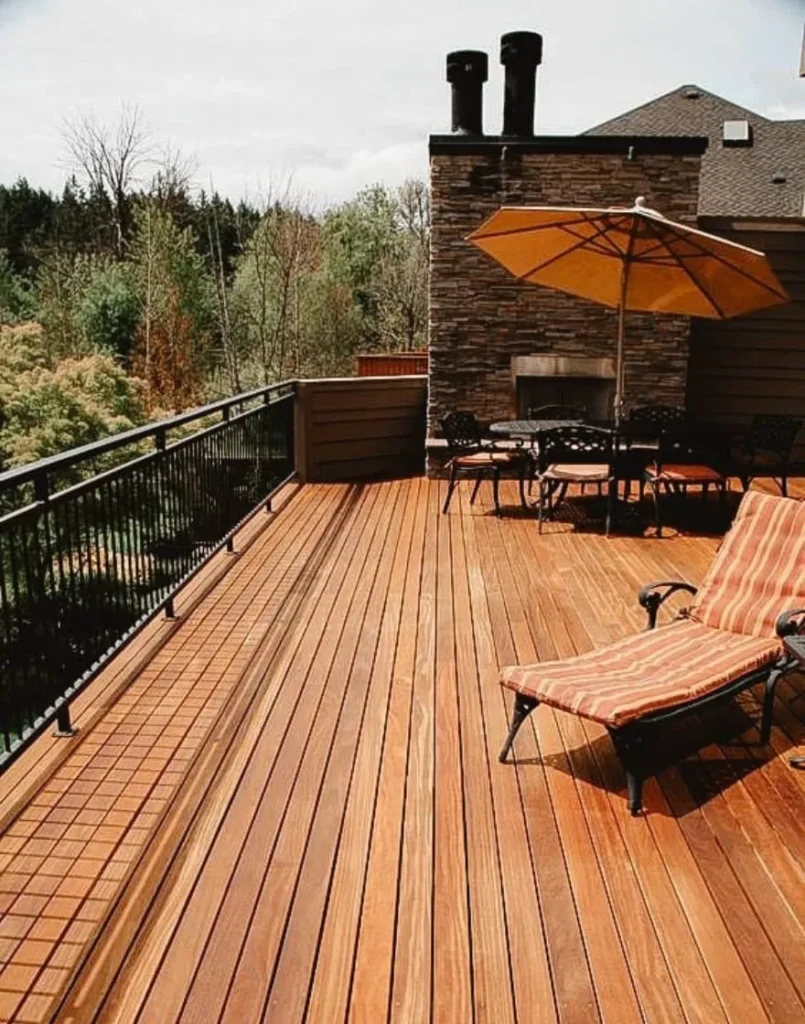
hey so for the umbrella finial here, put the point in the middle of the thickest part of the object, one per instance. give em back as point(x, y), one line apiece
point(641, 206)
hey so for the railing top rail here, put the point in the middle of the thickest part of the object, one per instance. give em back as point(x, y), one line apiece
point(33, 470)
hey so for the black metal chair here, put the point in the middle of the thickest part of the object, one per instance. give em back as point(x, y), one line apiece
point(645, 423)
point(765, 450)
point(577, 454)
point(639, 436)
point(575, 413)
point(472, 455)
point(686, 457)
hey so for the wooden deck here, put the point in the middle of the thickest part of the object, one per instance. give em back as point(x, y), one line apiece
point(287, 805)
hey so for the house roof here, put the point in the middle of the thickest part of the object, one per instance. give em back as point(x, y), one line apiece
point(736, 181)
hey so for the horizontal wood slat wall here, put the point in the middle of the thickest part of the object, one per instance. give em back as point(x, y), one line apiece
point(391, 364)
point(361, 428)
point(755, 364)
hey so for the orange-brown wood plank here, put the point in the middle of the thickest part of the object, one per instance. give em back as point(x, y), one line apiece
point(374, 956)
point(412, 978)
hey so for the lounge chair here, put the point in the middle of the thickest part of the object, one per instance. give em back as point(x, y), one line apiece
point(729, 639)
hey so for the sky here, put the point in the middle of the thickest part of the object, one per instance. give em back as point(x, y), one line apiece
point(333, 96)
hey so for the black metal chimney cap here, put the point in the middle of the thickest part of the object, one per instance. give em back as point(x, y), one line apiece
point(521, 48)
point(462, 64)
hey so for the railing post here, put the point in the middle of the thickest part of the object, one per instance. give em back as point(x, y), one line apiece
point(64, 727)
point(42, 487)
point(170, 609)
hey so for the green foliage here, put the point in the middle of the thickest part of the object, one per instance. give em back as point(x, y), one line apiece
point(15, 293)
point(108, 309)
point(377, 246)
point(47, 407)
point(61, 283)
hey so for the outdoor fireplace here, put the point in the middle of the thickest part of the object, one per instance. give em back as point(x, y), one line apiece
point(485, 328)
point(556, 380)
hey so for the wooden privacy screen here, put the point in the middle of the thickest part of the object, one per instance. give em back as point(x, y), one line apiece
point(360, 428)
point(755, 363)
point(391, 364)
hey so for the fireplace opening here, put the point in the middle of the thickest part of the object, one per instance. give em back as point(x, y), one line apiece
point(587, 382)
point(595, 395)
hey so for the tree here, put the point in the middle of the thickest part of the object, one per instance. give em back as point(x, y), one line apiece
point(172, 347)
point(111, 160)
point(108, 311)
point(270, 288)
point(377, 244)
point(47, 407)
point(60, 285)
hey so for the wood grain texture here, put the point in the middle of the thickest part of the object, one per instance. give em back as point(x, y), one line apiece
point(293, 810)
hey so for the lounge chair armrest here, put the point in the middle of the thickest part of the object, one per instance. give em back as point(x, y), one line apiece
point(653, 595)
point(790, 622)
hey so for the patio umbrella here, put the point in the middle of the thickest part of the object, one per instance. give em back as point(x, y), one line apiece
point(630, 259)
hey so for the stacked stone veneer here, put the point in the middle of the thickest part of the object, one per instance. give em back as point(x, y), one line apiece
point(480, 316)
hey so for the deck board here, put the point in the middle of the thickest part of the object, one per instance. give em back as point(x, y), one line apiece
point(293, 810)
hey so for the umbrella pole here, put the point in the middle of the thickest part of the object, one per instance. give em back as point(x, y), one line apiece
point(621, 331)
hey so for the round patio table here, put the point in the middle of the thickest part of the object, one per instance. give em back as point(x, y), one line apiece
point(528, 428)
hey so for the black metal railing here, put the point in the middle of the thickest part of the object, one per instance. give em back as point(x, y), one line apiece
point(91, 556)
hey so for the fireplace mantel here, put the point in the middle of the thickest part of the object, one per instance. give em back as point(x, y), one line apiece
point(563, 366)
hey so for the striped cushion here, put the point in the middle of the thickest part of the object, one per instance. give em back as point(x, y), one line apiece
point(759, 570)
point(644, 673)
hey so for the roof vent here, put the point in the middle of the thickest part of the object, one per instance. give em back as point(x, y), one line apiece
point(691, 93)
point(778, 178)
point(736, 133)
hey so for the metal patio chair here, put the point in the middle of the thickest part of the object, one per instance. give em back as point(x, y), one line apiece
point(474, 456)
point(576, 454)
point(730, 639)
point(766, 450)
point(686, 457)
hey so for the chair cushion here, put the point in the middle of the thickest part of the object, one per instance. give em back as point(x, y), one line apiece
point(645, 673)
point(579, 472)
point(759, 570)
point(683, 473)
point(486, 459)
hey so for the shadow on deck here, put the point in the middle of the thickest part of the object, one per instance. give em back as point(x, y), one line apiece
point(287, 805)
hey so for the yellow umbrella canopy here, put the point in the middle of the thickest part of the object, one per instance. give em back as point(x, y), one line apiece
point(630, 259)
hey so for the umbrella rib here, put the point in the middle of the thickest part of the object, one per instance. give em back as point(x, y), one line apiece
point(565, 252)
point(595, 243)
point(704, 251)
point(531, 227)
point(686, 270)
